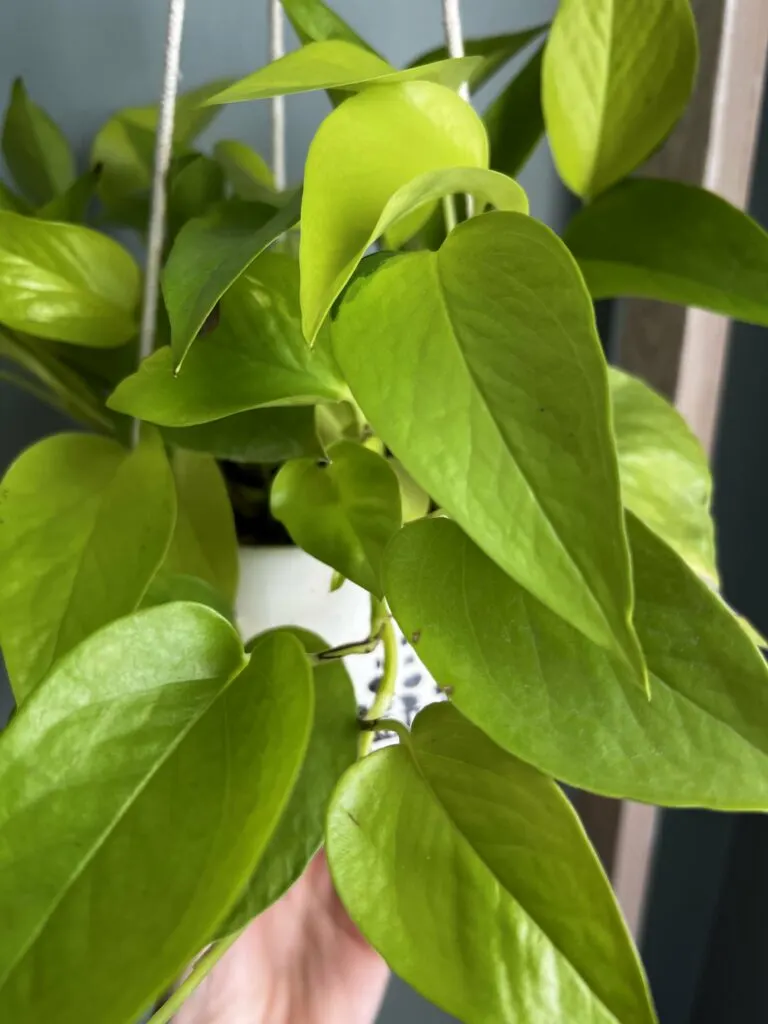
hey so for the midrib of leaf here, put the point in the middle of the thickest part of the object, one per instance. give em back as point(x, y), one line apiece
point(501, 885)
point(121, 812)
point(501, 434)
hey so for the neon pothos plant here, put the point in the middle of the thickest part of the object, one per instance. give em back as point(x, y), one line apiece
point(162, 781)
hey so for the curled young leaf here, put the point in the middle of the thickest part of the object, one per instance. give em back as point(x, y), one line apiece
point(471, 873)
point(368, 148)
point(84, 526)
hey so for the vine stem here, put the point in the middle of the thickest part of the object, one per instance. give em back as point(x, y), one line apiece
point(163, 153)
point(381, 618)
point(335, 653)
point(201, 969)
point(277, 50)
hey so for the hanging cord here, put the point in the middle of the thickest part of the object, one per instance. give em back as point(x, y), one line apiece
point(276, 50)
point(454, 41)
point(163, 152)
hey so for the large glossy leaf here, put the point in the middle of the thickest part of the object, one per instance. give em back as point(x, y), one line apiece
point(497, 404)
point(65, 389)
point(66, 282)
point(495, 52)
point(665, 478)
point(617, 75)
point(674, 242)
point(343, 512)
point(546, 694)
point(363, 152)
point(140, 784)
point(259, 435)
point(471, 873)
point(209, 255)
point(335, 64)
point(84, 526)
point(314, 21)
point(35, 150)
point(204, 542)
point(515, 120)
point(332, 749)
point(256, 357)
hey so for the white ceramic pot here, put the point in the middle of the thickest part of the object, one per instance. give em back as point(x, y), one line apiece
point(284, 586)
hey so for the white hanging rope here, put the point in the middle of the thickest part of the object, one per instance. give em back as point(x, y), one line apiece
point(454, 37)
point(163, 151)
point(276, 50)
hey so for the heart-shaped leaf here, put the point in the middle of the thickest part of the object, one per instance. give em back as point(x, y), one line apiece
point(499, 320)
point(343, 512)
point(332, 749)
point(204, 542)
point(515, 120)
point(363, 152)
point(259, 435)
point(36, 151)
point(168, 588)
point(256, 357)
point(66, 282)
point(156, 773)
point(665, 478)
point(678, 243)
point(546, 694)
point(471, 873)
point(496, 51)
point(617, 76)
point(336, 64)
point(84, 526)
point(209, 255)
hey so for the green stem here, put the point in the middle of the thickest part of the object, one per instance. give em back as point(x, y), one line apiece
point(203, 967)
point(449, 213)
point(386, 690)
point(387, 725)
point(335, 653)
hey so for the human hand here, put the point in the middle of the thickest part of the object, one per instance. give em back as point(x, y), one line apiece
point(300, 962)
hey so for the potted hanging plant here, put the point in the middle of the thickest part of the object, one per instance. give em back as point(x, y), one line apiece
point(411, 455)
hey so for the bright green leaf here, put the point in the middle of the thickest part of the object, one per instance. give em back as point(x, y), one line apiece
point(545, 693)
point(617, 76)
point(515, 121)
point(72, 205)
point(84, 526)
point(204, 542)
point(66, 282)
point(140, 785)
point(66, 389)
point(167, 588)
point(344, 512)
point(363, 152)
point(332, 749)
point(314, 21)
point(256, 357)
point(674, 242)
point(196, 186)
point(35, 149)
point(245, 169)
point(495, 51)
point(495, 332)
point(665, 478)
point(258, 435)
point(471, 873)
point(209, 255)
point(335, 64)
